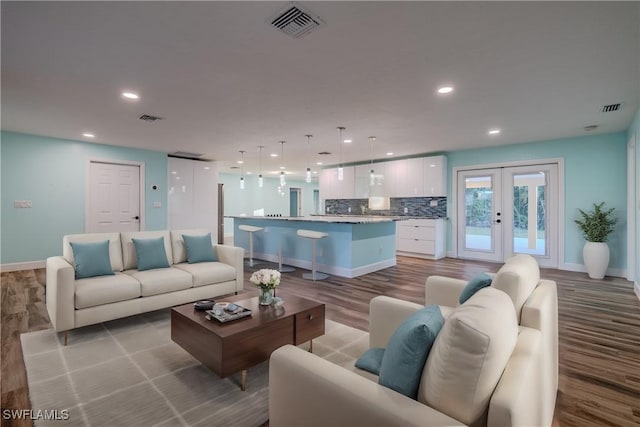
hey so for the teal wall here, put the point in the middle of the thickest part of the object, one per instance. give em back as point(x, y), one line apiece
point(52, 174)
point(595, 170)
point(244, 202)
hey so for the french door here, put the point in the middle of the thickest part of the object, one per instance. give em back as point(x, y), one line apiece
point(506, 211)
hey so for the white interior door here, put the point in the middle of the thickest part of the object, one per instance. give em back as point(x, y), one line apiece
point(113, 197)
point(507, 211)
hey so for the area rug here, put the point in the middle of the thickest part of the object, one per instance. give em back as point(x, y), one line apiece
point(129, 372)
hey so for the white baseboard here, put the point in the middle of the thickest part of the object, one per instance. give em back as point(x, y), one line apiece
point(613, 272)
point(18, 266)
point(636, 288)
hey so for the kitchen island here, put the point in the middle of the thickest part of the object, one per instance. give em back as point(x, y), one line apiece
point(354, 246)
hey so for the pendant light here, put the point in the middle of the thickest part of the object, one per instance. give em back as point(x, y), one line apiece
point(308, 176)
point(372, 179)
point(260, 179)
point(241, 170)
point(340, 168)
point(283, 180)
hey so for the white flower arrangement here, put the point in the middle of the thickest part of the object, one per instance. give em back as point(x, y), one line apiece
point(265, 278)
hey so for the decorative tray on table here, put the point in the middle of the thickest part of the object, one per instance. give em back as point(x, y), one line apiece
point(226, 311)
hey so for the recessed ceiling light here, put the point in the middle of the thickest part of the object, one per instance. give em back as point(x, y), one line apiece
point(130, 95)
point(239, 162)
point(282, 167)
point(248, 172)
point(173, 172)
point(443, 90)
point(389, 153)
point(348, 141)
point(319, 163)
point(88, 135)
point(494, 131)
point(273, 155)
point(205, 168)
point(315, 172)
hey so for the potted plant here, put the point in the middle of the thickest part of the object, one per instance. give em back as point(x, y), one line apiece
point(596, 226)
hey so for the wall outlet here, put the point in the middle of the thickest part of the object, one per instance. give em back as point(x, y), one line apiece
point(22, 204)
point(406, 210)
point(349, 209)
point(433, 203)
point(157, 204)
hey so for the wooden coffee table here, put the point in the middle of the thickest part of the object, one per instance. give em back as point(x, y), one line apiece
point(227, 348)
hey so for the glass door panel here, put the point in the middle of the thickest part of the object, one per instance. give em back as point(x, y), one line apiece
point(479, 221)
point(531, 193)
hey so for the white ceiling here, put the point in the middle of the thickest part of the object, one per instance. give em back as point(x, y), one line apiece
point(225, 80)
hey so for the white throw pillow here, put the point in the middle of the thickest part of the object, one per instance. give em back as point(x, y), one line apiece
point(469, 356)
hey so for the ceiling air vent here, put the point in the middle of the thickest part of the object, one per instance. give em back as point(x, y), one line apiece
point(185, 155)
point(324, 153)
point(295, 21)
point(610, 108)
point(149, 118)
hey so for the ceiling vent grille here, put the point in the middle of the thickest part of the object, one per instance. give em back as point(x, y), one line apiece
point(149, 118)
point(610, 108)
point(295, 22)
point(185, 155)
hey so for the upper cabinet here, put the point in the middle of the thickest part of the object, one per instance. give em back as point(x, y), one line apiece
point(416, 177)
point(435, 176)
point(333, 188)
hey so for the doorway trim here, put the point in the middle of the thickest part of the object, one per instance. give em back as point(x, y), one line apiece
point(87, 188)
point(561, 209)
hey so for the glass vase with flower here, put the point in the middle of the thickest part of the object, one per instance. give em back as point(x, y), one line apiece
point(267, 280)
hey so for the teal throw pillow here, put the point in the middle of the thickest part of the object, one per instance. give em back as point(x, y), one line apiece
point(91, 259)
point(407, 351)
point(482, 280)
point(199, 248)
point(150, 253)
point(371, 360)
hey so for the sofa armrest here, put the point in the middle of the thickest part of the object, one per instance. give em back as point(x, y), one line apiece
point(306, 390)
point(523, 395)
point(442, 290)
point(385, 315)
point(234, 256)
point(60, 293)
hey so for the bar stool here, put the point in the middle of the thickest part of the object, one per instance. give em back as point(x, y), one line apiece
point(250, 229)
point(314, 236)
point(281, 267)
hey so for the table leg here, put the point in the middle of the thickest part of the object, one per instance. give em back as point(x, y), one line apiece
point(243, 380)
point(310, 346)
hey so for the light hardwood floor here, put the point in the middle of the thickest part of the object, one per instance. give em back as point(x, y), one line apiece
point(599, 330)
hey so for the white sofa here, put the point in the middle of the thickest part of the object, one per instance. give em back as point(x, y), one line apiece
point(458, 385)
point(75, 303)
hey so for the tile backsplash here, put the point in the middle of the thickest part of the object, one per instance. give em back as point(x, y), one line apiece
point(415, 207)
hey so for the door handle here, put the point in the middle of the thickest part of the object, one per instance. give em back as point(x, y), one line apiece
point(497, 221)
point(136, 217)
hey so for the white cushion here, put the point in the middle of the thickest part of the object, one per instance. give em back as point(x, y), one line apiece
point(208, 273)
point(518, 277)
point(115, 249)
point(469, 356)
point(177, 243)
point(129, 251)
point(101, 290)
point(311, 234)
point(161, 280)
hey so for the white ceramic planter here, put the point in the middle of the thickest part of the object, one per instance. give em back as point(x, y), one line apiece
point(596, 259)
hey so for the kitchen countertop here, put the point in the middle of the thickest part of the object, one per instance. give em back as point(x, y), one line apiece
point(326, 218)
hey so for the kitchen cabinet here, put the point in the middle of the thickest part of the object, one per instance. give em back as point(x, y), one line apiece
point(362, 181)
point(332, 188)
point(435, 176)
point(423, 238)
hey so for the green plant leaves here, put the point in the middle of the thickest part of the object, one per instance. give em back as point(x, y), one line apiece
point(598, 223)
